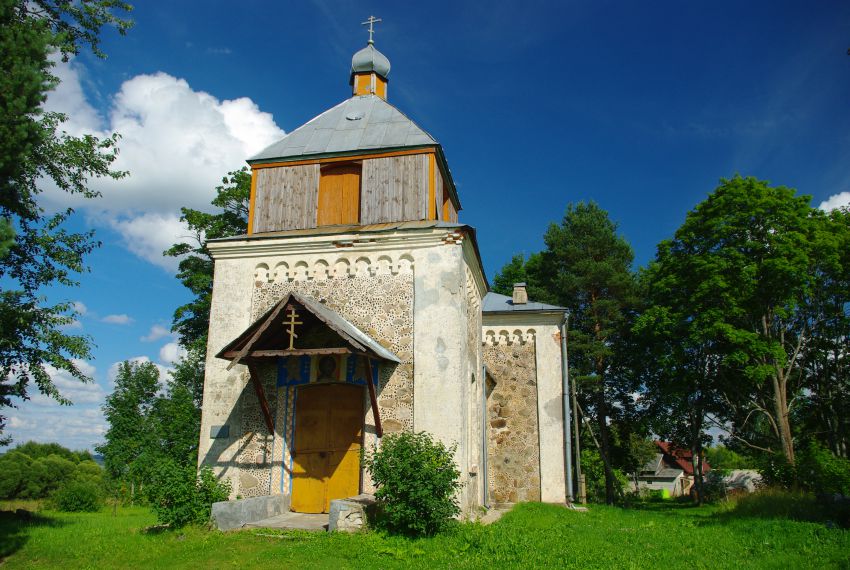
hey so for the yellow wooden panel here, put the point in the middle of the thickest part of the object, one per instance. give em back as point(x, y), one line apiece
point(328, 435)
point(339, 196)
point(344, 479)
point(380, 88)
point(362, 84)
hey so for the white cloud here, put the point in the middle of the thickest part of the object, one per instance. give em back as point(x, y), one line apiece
point(842, 199)
point(71, 388)
point(80, 308)
point(176, 143)
point(121, 319)
point(157, 332)
point(148, 235)
point(170, 353)
point(75, 324)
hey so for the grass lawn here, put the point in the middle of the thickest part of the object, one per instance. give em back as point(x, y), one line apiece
point(532, 535)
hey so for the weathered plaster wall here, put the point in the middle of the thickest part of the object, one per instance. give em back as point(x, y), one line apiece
point(440, 346)
point(231, 313)
point(475, 383)
point(550, 414)
point(514, 452)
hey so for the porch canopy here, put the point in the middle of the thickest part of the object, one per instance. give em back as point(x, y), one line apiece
point(298, 325)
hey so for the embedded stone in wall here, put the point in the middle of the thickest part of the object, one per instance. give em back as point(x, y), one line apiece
point(513, 444)
point(254, 459)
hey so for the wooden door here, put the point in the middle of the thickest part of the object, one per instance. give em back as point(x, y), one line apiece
point(328, 434)
point(339, 195)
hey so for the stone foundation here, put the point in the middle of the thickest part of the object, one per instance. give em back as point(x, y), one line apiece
point(350, 515)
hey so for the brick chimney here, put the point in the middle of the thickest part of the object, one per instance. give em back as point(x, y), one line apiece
point(520, 296)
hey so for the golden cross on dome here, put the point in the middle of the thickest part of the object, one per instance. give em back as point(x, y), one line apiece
point(372, 20)
point(292, 322)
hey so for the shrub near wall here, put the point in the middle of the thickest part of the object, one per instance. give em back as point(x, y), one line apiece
point(417, 483)
point(180, 495)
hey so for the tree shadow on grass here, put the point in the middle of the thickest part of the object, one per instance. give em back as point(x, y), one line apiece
point(15, 527)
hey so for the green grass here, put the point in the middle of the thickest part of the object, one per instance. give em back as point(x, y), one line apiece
point(532, 535)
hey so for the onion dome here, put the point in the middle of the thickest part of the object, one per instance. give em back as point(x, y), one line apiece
point(370, 60)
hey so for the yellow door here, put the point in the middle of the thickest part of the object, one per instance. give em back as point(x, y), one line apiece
point(339, 196)
point(328, 432)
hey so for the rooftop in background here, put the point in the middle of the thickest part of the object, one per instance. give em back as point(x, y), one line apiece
point(496, 303)
point(361, 123)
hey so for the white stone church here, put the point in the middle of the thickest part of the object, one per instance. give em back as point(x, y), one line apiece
point(357, 306)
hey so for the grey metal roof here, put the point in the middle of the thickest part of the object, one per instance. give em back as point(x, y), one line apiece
point(364, 122)
point(496, 303)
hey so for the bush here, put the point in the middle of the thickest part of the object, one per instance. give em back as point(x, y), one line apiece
point(816, 470)
point(78, 496)
point(795, 505)
point(181, 495)
point(416, 480)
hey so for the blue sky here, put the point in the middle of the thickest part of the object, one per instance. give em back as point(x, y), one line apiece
point(640, 106)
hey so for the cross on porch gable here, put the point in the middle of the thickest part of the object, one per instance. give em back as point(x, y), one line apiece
point(292, 315)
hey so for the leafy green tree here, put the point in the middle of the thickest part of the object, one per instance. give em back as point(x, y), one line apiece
point(678, 365)
point(149, 426)
point(37, 470)
point(129, 450)
point(521, 270)
point(590, 269)
point(38, 251)
point(744, 265)
point(826, 357)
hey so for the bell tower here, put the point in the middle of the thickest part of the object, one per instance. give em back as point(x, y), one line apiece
point(360, 163)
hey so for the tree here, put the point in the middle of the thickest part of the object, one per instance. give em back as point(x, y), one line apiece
point(680, 364)
point(38, 252)
point(590, 268)
point(521, 270)
point(826, 357)
point(148, 426)
point(743, 267)
point(129, 449)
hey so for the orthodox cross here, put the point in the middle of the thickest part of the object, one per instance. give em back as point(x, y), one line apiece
point(292, 322)
point(371, 21)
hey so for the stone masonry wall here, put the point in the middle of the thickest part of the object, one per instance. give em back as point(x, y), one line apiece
point(513, 449)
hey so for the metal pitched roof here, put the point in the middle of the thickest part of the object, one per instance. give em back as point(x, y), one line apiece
point(361, 123)
point(496, 303)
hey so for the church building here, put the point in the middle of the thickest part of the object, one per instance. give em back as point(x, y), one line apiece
point(357, 306)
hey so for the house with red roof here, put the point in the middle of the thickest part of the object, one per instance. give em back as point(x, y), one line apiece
point(671, 470)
